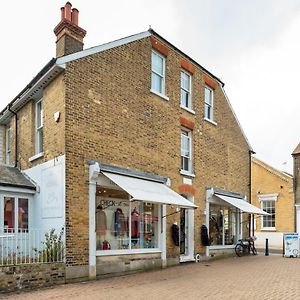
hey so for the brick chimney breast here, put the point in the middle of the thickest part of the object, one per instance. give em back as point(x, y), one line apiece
point(69, 35)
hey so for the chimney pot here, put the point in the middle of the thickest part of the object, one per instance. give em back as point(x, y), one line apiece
point(62, 10)
point(68, 7)
point(74, 16)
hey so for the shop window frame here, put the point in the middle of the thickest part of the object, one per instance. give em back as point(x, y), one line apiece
point(140, 250)
point(16, 197)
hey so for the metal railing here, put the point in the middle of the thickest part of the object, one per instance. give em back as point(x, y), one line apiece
point(28, 246)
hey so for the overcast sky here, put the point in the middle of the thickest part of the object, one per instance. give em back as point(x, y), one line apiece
point(253, 46)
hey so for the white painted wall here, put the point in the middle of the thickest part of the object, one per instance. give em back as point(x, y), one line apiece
point(48, 209)
point(275, 239)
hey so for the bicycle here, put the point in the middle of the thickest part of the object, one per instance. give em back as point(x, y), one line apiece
point(245, 247)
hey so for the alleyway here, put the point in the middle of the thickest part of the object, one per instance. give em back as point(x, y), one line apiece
point(252, 277)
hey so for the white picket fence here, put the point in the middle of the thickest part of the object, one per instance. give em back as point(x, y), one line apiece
point(28, 246)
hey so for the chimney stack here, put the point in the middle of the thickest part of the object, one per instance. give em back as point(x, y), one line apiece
point(69, 35)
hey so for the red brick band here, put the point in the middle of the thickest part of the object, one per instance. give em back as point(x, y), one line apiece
point(187, 189)
point(187, 66)
point(187, 123)
point(159, 47)
point(210, 82)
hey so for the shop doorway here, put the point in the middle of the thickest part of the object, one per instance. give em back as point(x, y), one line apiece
point(186, 233)
point(183, 231)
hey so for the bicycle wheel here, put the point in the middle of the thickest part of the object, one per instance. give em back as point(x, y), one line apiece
point(239, 250)
point(253, 249)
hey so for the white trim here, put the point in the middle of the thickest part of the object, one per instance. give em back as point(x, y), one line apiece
point(190, 161)
point(32, 92)
point(211, 105)
point(39, 112)
point(13, 189)
point(101, 48)
point(126, 252)
point(186, 173)
point(211, 121)
point(268, 229)
point(222, 247)
point(162, 76)
point(16, 195)
point(268, 197)
point(187, 109)
point(34, 157)
point(160, 95)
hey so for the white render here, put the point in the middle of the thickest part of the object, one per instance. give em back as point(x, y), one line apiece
point(275, 239)
point(48, 203)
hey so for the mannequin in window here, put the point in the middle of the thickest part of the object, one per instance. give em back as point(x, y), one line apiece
point(135, 226)
point(101, 225)
point(8, 214)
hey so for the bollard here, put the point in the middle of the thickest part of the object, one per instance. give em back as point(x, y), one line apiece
point(267, 248)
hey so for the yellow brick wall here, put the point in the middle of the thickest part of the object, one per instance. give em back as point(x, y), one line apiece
point(266, 180)
point(112, 117)
point(54, 142)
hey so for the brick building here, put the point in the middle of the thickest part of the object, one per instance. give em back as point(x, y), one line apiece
point(272, 191)
point(122, 142)
point(296, 158)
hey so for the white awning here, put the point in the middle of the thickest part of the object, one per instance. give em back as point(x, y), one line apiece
point(242, 205)
point(148, 191)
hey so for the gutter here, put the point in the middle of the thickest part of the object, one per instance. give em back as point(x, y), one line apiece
point(251, 219)
point(16, 134)
point(44, 70)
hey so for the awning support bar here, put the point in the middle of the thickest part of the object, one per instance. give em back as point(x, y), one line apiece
point(173, 213)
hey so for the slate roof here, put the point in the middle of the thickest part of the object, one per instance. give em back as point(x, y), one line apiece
point(10, 176)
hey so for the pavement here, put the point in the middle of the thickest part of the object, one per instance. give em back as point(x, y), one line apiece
point(249, 277)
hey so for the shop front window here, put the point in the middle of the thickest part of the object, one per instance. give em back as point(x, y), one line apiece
point(222, 226)
point(15, 214)
point(124, 225)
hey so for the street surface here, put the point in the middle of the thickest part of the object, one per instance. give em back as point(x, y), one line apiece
point(250, 277)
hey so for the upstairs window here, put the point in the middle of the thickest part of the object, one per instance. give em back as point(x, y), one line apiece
point(186, 90)
point(7, 146)
point(209, 100)
point(158, 73)
point(39, 127)
point(186, 145)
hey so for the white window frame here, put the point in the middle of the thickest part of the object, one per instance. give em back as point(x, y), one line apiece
point(263, 198)
point(16, 206)
point(7, 146)
point(161, 93)
point(189, 92)
point(190, 160)
point(211, 105)
point(38, 129)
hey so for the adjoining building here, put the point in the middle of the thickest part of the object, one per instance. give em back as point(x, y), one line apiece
point(122, 141)
point(272, 191)
point(296, 160)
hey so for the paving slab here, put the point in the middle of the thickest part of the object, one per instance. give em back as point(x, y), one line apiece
point(248, 277)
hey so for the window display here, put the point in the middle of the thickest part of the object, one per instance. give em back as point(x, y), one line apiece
point(121, 224)
point(15, 209)
point(222, 226)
